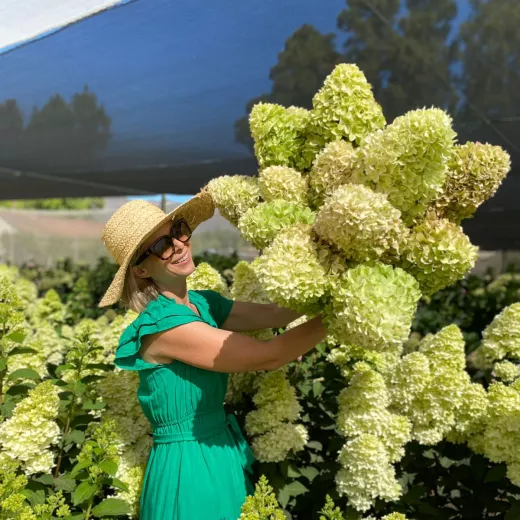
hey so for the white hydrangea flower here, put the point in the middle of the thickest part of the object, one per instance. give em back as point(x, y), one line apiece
point(205, 277)
point(274, 445)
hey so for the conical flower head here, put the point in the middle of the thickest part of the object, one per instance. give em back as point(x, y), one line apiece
point(360, 222)
point(344, 108)
point(408, 160)
point(373, 307)
point(259, 225)
point(475, 172)
point(438, 254)
point(246, 285)
point(291, 272)
point(233, 195)
point(205, 277)
point(281, 182)
point(279, 134)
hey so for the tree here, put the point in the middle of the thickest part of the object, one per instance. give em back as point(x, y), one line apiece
point(11, 127)
point(406, 54)
point(308, 57)
point(491, 59)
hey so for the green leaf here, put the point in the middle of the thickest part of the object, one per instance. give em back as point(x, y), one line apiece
point(119, 484)
point(315, 445)
point(91, 405)
point(317, 388)
point(79, 466)
point(22, 350)
point(19, 389)
point(24, 373)
point(111, 507)
point(17, 336)
point(81, 420)
point(496, 473)
point(64, 483)
point(63, 368)
point(3, 364)
point(45, 479)
point(34, 497)
point(109, 467)
point(292, 471)
point(83, 492)
point(76, 436)
point(310, 473)
point(289, 491)
point(513, 513)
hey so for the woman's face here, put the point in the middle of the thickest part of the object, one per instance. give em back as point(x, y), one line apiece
point(163, 272)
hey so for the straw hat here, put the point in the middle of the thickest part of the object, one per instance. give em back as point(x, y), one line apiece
point(136, 221)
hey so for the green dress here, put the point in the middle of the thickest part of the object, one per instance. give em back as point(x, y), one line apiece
point(199, 464)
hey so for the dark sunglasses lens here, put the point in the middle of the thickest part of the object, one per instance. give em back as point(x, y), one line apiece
point(163, 248)
point(181, 231)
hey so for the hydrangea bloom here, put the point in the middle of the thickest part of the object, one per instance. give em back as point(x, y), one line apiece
point(26, 291)
point(408, 160)
point(275, 445)
point(344, 108)
point(506, 371)
point(246, 285)
point(29, 433)
point(233, 195)
point(362, 223)
point(49, 309)
point(291, 272)
point(133, 478)
point(373, 307)
point(366, 473)
point(281, 182)
point(259, 225)
point(262, 505)
point(501, 338)
point(438, 254)
point(332, 167)
point(206, 277)
point(279, 134)
point(501, 434)
point(475, 172)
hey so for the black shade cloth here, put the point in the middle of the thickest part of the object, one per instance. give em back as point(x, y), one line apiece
point(152, 97)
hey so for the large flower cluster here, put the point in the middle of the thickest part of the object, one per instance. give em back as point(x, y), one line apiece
point(234, 195)
point(373, 307)
point(261, 224)
point(438, 254)
point(28, 435)
point(344, 108)
point(273, 424)
point(292, 271)
point(501, 338)
point(475, 172)
point(362, 223)
point(206, 277)
point(408, 160)
point(280, 182)
point(369, 426)
point(280, 135)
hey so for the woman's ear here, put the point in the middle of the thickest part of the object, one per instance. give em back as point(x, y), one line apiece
point(139, 272)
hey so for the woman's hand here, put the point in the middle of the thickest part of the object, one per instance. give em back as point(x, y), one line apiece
point(245, 317)
point(203, 346)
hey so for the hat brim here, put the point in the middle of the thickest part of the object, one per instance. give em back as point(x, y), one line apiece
point(196, 210)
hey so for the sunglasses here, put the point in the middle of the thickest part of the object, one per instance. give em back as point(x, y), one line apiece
point(163, 247)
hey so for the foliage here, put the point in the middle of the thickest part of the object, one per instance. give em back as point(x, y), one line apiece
point(55, 204)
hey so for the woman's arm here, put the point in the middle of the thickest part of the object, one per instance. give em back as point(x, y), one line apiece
point(200, 345)
point(245, 317)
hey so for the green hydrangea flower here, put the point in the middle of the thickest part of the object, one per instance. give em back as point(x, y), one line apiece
point(475, 172)
point(261, 224)
point(291, 271)
point(233, 195)
point(281, 182)
point(501, 338)
point(279, 134)
point(408, 160)
point(373, 307)
point(344, 108)
point(263, 504)
point(206, 277)
point(360, 222)
point(367, 473)
point(438, 253)
point(332, 168)
point(275, 445)
point(506, 371)
point(246, 285)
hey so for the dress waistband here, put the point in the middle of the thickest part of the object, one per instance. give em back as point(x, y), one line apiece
point(222, 422)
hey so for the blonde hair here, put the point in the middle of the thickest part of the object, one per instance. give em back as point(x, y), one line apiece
point(138, 292)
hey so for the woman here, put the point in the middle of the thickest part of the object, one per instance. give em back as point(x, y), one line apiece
point(184, 344)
